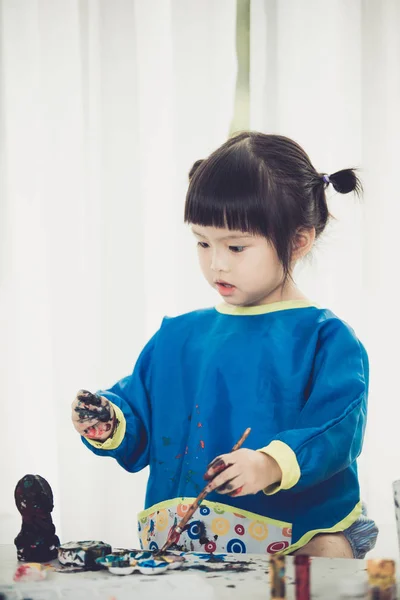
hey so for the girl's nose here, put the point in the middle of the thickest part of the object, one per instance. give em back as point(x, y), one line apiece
point(219, 263)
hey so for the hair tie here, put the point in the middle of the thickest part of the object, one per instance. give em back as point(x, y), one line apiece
point(326, 179)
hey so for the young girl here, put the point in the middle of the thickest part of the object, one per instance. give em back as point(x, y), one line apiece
point(266, 358)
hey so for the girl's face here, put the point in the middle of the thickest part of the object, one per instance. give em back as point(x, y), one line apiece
point(244, 268)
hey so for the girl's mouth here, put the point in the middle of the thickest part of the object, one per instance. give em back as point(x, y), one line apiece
point(225, 289)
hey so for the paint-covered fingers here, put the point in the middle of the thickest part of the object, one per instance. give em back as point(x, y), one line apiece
point(223, 482)
point(92, 415)
point(95, 430)
point(87, 397)
point(80, 423)
point(89, 406)
point(233, 487)
point(83, 426)
point(99, 432)
point(227, 487)
point(215, 467)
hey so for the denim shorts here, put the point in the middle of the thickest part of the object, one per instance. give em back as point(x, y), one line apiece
point(362, 535)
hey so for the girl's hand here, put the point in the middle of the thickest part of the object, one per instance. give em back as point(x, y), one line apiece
point(93, 416)
point(242, 472)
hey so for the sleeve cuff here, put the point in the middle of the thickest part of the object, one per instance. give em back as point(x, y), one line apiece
point(119, 432)
point(287, 461)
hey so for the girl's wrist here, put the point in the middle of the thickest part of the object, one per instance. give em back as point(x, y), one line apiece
point(271, 471)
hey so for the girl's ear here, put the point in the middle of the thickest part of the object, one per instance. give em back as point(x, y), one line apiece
point(302, 243)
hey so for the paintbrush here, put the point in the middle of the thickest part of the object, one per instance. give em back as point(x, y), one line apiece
point(175, 533)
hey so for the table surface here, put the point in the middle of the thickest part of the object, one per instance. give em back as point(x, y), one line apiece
point(192, 584)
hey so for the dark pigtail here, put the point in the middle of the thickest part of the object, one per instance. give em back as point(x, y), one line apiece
point(346, 181)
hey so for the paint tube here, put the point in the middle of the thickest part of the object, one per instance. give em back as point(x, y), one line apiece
point(381, 579)
point(277, 572)
point(302, 575)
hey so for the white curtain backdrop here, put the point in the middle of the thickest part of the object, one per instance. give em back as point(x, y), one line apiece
point(104, 107)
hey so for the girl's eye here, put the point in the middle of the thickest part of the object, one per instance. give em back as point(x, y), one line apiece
point(237, 248)
point(202, 244)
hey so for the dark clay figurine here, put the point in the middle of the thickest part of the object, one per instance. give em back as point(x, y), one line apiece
point(37, 540)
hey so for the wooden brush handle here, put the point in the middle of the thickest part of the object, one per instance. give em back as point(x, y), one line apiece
point(242, 440)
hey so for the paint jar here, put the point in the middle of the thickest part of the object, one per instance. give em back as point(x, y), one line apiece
point(277, 571)
point(382, 579)
point(353, 587)
point(302, 577)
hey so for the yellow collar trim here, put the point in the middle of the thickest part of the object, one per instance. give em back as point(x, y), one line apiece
point(229, 309)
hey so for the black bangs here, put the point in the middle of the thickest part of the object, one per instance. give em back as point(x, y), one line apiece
point(228, 190)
